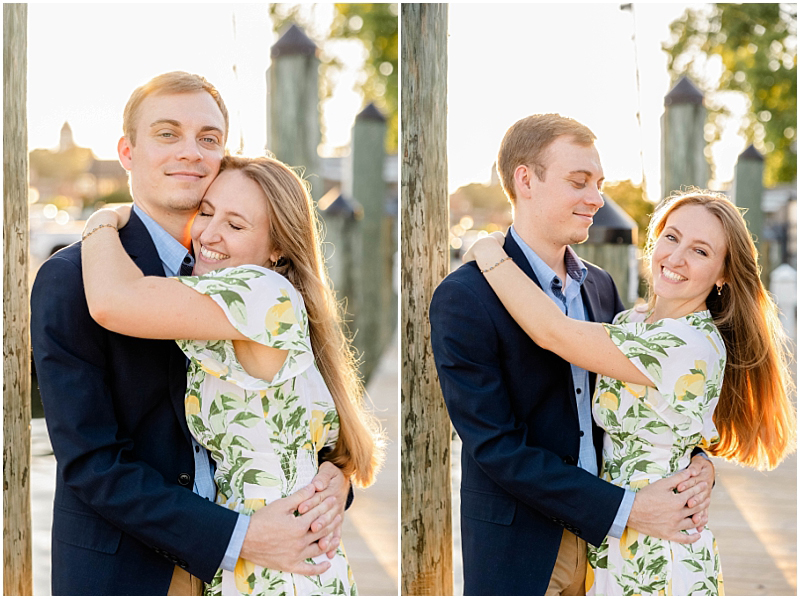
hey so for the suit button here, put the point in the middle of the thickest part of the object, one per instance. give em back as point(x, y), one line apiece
point(570, 460)
point(184, 479)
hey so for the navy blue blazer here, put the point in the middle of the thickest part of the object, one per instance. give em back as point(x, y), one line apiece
point(124, 512)
point(512, 403)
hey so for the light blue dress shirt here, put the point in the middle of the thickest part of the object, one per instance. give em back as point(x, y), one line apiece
point(571, 304)
point(173, 254)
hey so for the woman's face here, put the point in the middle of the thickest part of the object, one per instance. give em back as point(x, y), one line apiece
point(232, 226)
point(689, 256)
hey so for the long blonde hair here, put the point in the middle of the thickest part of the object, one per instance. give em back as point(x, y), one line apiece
point(755, 417)
point(295, 234)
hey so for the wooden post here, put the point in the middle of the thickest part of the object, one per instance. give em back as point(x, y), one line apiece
point(427, 535)
point(341, 216)
point(293, 129)
point(683, 161)
point(748, 189)
point(369, 190)
point(17, 571)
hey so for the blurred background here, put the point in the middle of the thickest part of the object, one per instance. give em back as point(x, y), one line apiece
point(677, 94)
point(314, 84)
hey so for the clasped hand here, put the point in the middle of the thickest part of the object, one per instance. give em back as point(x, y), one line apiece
point(306, 524)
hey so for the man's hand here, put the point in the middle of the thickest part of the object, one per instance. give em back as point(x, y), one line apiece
point(658, 511)
point(279, 540)
point(707, 475)
point(329, 482)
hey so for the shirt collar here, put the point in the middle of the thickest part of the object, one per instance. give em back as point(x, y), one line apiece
point(170, 250)
point(576, 270)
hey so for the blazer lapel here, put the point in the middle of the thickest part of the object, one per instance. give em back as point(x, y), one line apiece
point(137, 242)
point(591, 300)
point(512, 249)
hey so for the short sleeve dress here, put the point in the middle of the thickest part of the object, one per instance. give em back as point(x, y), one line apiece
point(650, 434)
point(263, 435)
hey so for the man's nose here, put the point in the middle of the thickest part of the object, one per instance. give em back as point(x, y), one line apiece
point(188, 149)
point(595, 198)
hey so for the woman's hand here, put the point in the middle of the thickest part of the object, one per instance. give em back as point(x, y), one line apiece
point(486, 249)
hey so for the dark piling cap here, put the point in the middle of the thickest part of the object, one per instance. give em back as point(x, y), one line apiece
point(612, 225)
point(684, 92)
point(371, 113)
point(751, 154)
point(294, 41)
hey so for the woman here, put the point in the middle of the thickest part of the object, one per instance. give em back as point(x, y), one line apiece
point(271, 379)
point(660, 393)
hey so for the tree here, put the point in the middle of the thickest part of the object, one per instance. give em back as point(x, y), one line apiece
point(375, 25)
point(756, 47)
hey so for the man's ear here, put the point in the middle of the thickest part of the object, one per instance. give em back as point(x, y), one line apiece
point(124, 149)
point(522, 180)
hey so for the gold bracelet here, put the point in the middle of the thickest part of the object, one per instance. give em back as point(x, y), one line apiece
point(98, 227)
point(496, 265)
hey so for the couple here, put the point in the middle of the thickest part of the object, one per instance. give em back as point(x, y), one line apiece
point(522, 345)
point(271, 383)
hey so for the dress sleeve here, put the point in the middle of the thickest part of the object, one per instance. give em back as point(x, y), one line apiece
point(685, 366)
point(263, 306)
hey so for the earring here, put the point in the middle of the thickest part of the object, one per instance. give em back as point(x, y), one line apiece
point(719, 289)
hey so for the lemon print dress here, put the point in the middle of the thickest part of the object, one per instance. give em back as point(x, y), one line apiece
point(650, 434)
point(263, 435)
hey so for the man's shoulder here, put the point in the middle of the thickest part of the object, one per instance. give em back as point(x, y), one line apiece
point(466, 279)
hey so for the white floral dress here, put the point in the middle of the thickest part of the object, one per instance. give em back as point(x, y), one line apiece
point(650, 434)
point(263, 435)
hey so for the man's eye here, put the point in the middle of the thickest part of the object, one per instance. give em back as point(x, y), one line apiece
point(578, 185)
point(167, 134)
point(201, 213)
point(211, 140)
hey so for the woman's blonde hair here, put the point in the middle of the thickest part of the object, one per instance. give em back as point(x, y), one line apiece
point(755, 417)
point(295, 235)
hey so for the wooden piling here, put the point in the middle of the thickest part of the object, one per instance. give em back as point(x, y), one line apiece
point(17, 572)
point(426, 527)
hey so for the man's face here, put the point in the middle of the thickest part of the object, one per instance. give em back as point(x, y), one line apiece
point(178, 150)
point(564, 204)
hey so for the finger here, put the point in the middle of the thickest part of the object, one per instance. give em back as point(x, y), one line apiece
point(696, 489)
point(689, 512)
point(313, 514)
point(325, 543)
point(498, 235)
point(687, 484)
point(679, 477)
point(311, 551)
point(700, 519)
point(324, 476)
point(293, 501)
point(332, 527)
point(323, 521)
point(309, 504)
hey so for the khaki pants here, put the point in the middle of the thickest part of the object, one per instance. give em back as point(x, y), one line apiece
point(184, 584)
point(569, 573)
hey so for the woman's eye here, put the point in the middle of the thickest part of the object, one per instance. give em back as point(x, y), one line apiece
point(235, 228)
point(701, 252)
point(670, 237)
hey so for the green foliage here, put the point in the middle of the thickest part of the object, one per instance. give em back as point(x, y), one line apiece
point(630, 198)
point(756, 45)
point(376, 26)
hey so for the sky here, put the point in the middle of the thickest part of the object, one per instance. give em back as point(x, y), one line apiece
point(514, 60)
point(84, 60)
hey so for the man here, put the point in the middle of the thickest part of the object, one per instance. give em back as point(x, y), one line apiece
point(530, 495)
point(134, 506)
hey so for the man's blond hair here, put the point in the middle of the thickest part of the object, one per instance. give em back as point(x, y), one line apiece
point(175, 82)
point(526, 143)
